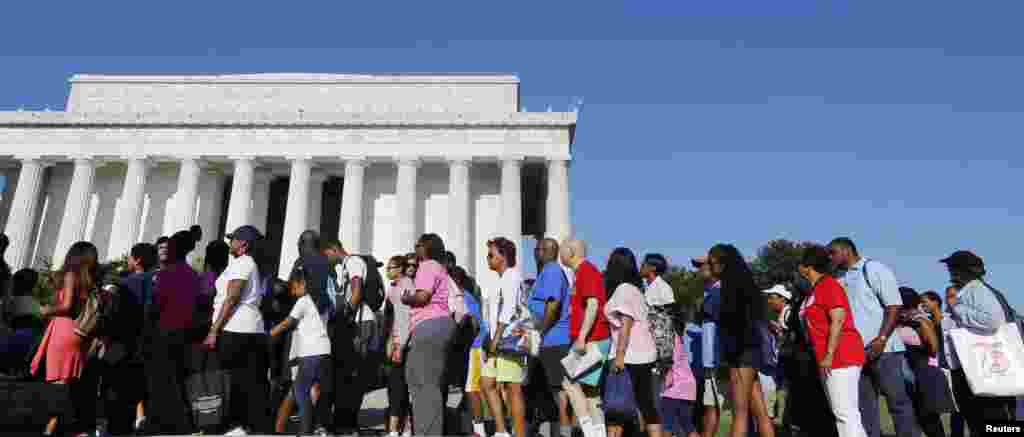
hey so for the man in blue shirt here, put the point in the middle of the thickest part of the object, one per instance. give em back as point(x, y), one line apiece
point(549, 303)
point(709, 394)
point(876, 302)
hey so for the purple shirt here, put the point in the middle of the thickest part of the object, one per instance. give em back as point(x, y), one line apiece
point(433, 277)
point(177, 294)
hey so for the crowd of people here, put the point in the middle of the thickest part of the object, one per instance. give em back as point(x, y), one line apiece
point(836, 336)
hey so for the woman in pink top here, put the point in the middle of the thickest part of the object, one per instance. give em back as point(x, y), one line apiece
point(61, 351)
point(632, 343)
point(432, 328)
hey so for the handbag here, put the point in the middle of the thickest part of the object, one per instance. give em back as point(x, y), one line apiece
point(209, 395)
point(522, 318)
point(993, 363)
point(88, 317)
point(619, 399)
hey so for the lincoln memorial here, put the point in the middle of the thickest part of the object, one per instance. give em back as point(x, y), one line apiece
point(372, 159)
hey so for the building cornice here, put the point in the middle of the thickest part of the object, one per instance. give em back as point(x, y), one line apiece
point(285, 119)
point(304, 78)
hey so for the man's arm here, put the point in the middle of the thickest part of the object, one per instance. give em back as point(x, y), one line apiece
point(231, 302)
point(589, 317)
point(893, 301)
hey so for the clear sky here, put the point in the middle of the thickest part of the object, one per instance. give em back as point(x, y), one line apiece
point(897, 123)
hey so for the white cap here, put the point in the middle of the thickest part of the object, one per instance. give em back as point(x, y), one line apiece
point(779, 290)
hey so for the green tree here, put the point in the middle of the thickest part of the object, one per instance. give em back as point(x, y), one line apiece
point(777, 261)
point(687, 285)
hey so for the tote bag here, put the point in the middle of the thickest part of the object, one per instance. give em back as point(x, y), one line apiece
point(993, 364)
point(619, 400)
point(209, 394)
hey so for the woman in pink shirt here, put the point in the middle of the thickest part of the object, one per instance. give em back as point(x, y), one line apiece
point(431, 327)
point(632, 343)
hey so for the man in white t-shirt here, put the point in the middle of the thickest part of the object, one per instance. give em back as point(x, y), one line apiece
point(352, 372)
point(503, 372)
point(239, 336)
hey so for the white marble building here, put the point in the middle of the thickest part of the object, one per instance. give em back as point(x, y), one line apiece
point(374, 159)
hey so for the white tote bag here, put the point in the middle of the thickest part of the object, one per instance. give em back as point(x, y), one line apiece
point(993, 364)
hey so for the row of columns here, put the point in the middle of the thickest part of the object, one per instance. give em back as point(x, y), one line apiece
point(304, 185)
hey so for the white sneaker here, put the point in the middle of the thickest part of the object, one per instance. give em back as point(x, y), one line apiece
point(237, 431)
point(392, 434)
point(321, 432)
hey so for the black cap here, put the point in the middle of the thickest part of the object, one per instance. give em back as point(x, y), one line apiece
point(245, 233)
point(964, 259)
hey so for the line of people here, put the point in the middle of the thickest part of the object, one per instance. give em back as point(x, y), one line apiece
point(522, 351)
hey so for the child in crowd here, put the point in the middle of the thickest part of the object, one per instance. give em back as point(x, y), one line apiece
point(312, 347)
point(473, 393)
point(679, 393)
point(399, 408)
point(281, 370)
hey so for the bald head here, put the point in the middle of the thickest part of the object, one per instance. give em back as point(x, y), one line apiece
point(573, 253)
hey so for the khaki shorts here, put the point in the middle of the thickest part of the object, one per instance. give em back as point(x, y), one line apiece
point(504, 368)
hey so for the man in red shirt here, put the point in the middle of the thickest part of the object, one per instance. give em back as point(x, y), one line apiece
point(588, 328)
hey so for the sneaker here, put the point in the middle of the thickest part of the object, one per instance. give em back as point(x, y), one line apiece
point(140, 423)
point(236, 431)
point(321, 432)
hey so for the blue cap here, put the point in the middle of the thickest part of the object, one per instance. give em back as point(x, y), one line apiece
point(245, 233)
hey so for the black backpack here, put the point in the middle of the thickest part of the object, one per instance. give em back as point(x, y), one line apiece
point(373, 283)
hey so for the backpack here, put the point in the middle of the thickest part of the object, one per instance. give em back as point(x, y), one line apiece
point(373, 283)
point(660, 324)
point(371, 336)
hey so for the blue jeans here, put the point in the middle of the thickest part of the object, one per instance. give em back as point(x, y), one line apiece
point(313, 370)
point(885, 376)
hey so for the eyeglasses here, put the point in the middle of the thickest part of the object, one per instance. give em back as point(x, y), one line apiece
point(394, 267)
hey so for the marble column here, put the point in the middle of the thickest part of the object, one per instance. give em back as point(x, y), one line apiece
point(11, 174)
point(295, 215)
point(240, 204)
point(260, 200)
point(558, 224)
point(76, 208)
point(512, 201)
point(211, 201)
point(405, 190)
point(185, 197)
point(350, 230)
point(24, 211)
point(127, 223)
point(316, 199)
point(458, 206)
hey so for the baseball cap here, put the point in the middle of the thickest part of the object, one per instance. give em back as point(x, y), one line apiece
point(963, 259)
point(779, 290)
point(245, 233)
point(699, 261)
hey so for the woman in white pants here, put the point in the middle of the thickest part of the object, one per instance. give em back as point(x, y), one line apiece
point(837, 344)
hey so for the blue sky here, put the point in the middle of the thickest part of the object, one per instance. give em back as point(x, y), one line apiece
point(896, 123)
